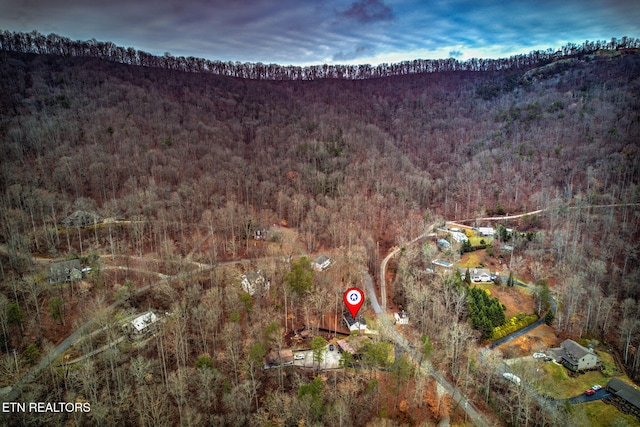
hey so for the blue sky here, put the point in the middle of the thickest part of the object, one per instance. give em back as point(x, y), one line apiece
point(303, 32)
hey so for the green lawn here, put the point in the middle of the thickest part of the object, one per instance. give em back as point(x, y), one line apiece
point(559, 385)
point(601, 414)
point(470, 260)
point(609, 364)
point(475, 240)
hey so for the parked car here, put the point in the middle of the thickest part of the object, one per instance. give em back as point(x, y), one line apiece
point(331, 347)
point(590, 392)
point(539, 355)
point(513, 378)
point(298, 356)
point(596, 387)
point(548, 359)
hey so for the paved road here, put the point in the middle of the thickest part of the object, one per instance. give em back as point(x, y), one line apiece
point(598, 395)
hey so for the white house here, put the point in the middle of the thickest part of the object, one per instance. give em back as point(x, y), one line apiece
point(321, 263)
point(486, 231)
point(401, 318)
point(143, 324)
point(477, 274)
point(358, 325)
point(459, 236)
point(254, 281)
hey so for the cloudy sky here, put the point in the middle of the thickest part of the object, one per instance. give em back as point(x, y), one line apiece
point(303, 32)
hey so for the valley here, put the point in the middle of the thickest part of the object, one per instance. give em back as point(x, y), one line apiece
point(171, 240)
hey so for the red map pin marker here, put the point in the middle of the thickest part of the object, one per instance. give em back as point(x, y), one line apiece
point(353, 298)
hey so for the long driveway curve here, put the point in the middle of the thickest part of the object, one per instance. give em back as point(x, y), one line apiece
point(386, 324)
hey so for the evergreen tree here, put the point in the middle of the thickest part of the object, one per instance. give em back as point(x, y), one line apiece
point(549, 317)
point(300, 278)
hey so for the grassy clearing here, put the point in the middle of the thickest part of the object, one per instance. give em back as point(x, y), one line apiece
point(476, 240)
point(601, 414)
point(610, 369)
point(471, 260)
point(558, 384)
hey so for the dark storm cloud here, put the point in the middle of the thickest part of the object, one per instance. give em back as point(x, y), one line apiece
point(356, 53)
point(315, 31)
point(365, 11)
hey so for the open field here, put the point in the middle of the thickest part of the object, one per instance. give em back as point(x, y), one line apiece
point(601, 414)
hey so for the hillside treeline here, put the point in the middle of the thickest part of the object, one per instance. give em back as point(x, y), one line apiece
point(54, 44)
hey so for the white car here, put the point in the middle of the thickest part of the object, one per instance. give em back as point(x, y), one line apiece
point(299, 357)
point(513, 378)
point(596, 387)
point(539, 355)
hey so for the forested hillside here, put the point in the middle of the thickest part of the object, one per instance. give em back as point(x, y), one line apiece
point(353, 166)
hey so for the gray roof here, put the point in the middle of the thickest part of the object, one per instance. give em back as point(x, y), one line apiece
point(624, 391)
point(60, 272)
point(442, 243)
point(574, 350)
point(80, 219)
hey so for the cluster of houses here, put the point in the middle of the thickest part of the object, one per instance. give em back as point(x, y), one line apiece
point(459, 236)
point(257, 281)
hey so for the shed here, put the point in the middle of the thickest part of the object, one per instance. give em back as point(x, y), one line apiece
point(625, 397)
point(443, 244)
point(486, 231)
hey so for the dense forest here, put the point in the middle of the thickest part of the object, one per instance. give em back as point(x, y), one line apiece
point(178, 161)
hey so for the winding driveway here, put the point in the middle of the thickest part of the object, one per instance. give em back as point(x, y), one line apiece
point(386, 324)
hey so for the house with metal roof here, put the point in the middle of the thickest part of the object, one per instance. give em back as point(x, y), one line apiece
point(144, 324)
point(624, 396)
point(321, 263)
